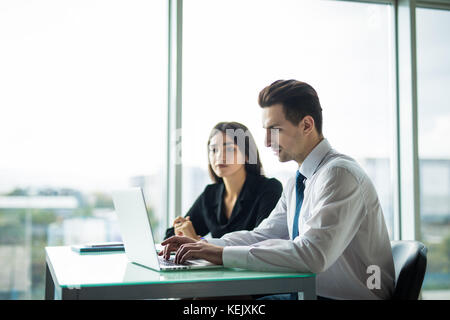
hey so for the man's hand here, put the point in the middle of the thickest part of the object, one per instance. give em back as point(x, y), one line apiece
point(188, 248)
point(172, 244)
point(199, 250)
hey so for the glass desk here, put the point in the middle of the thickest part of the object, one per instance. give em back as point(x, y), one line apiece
point(70, 275)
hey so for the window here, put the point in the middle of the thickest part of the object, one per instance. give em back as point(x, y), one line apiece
point(83, 97)
point(433, 50)
point(343, 49)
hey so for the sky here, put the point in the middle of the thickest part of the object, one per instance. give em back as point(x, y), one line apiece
point(82, 91)
point(83, 84)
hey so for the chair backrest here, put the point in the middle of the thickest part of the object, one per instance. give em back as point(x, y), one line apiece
point(410, 260)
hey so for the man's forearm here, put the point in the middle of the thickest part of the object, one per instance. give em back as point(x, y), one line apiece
point(240, 238)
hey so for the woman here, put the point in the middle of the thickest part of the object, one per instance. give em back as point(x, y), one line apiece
point(240, 197)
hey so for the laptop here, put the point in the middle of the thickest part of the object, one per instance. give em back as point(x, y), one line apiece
point(137, 234)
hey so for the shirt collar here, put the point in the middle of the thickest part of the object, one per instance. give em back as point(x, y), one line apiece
point(314, 158)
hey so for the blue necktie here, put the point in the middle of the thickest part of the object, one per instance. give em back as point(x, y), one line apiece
point(299, 192)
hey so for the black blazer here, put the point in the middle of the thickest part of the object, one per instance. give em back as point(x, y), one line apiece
point(255, 202)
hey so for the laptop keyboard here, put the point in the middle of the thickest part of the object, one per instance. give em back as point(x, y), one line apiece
point(170, 263)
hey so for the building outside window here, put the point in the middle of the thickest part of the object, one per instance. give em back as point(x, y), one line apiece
point(433, 78)
point(343, 49)
point(83, 100)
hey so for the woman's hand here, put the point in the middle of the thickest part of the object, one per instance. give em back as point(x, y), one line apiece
point(184, 227)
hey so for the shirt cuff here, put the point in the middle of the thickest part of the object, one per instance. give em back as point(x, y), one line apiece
point(235, 256)
point(216, 241)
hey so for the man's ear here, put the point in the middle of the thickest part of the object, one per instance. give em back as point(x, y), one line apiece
point(308, 124)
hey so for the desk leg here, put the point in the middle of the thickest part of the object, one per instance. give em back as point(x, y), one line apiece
point(70, 294)
point(309, 291)
point(49, 284)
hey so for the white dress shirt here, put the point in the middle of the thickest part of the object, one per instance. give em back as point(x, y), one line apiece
point(341, 232)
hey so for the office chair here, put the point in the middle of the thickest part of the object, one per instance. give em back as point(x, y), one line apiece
point(410, 261)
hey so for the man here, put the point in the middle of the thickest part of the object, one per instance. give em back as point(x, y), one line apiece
point(328, 220)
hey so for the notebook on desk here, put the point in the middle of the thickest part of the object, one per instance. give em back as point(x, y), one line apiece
point(99, 247)
point(106, 247)
point(137, 234)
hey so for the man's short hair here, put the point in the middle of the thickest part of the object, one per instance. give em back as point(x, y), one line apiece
point(298, 98)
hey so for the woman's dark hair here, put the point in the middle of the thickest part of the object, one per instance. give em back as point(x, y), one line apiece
point(298, 98)
point(246, 144)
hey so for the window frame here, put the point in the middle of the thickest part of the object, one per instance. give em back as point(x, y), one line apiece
point(405, 167)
